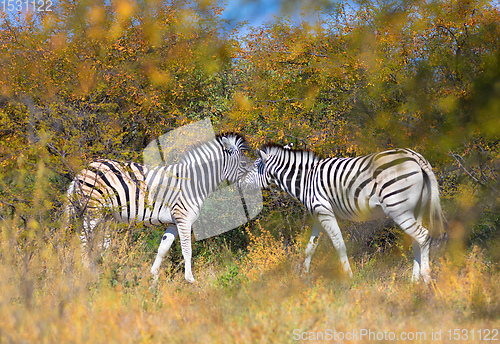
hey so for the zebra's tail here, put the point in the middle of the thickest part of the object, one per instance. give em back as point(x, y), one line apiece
point(435, 213)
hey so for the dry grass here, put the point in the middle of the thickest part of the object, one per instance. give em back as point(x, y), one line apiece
point(47, 296)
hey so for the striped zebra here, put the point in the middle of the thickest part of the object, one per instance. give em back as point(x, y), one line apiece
point(397, 183)
point(172, 194)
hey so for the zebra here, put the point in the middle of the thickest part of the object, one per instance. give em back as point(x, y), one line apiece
point(171, 194)
point(397, 183)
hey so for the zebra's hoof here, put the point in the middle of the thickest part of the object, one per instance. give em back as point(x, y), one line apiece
point(156, 274)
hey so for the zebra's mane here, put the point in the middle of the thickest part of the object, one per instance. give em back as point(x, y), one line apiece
point(237, 139)
point(277, 148)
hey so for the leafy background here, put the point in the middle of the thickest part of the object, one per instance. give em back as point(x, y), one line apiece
point(103, 78)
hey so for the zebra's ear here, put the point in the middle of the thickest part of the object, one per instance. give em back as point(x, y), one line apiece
point(231, 148)
point(262, 155)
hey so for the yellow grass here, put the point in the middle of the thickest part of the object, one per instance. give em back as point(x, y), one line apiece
point(47, 296)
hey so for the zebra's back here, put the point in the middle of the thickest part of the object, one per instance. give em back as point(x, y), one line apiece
point(366, 187)
point(130, 192)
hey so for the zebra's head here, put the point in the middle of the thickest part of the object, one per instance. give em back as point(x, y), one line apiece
point(236, 163)
point(260, 174)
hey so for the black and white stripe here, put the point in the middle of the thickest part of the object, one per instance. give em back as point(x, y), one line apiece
point(172, 194)
point(397, 183)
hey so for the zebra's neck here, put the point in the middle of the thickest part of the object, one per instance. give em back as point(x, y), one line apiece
point(208, 162)
point(209, 150)
point(293, 171)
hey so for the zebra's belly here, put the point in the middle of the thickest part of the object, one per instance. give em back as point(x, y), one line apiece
point(373, 213)
point(365, 211)
point(154, 218)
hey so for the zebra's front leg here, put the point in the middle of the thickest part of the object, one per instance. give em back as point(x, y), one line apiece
point(311, 246)
point(166, 241)
point(331, 226)
point(185, 239)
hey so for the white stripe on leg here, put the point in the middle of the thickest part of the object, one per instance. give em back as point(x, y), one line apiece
point(312, 245)
point(166, 241)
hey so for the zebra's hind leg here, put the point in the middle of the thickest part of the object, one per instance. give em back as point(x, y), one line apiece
point(84, 240)
point(421, 266)
point(420, 244)
point(166, 241)
point(311, 246)
point(89, 239)
point(416, 260)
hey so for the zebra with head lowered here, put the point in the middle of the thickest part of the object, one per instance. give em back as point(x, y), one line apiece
point(397, 183)
point(172, 194)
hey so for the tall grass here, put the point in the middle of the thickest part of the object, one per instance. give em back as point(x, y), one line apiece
point(48, 296)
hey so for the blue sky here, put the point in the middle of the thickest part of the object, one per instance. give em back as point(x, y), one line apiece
point(255, 12)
